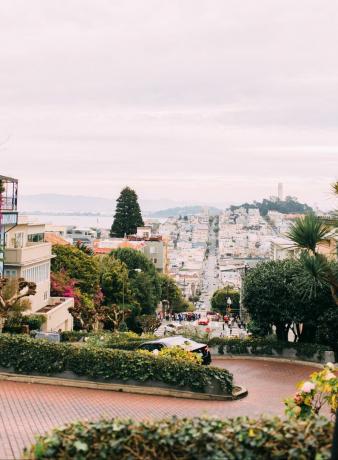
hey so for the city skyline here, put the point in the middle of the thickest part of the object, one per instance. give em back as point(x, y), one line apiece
point(211, 103)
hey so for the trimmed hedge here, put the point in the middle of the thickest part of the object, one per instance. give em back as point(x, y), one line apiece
point(28, 356)
point(266, 346)
point(189, 439)
point(257, 345)
point(118, 341)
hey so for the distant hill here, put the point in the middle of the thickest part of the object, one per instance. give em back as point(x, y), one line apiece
point(57, 203)
point(184, 211)
point(288, 206)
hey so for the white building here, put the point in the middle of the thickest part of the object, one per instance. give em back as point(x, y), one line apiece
point(28, 256)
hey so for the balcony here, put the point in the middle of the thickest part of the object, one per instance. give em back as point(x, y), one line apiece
point(28, 254)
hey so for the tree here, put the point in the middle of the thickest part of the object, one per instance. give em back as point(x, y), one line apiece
point(85, 310)
point(172, 293)
point(272, 298)
point(114, 281)
point(127, 215)
point(148, 323)
point(84, 248)
point(79, 266)
point(220, 297)
point(13, 294)
point(315, 269)
point(143, 277)
point(113, 315)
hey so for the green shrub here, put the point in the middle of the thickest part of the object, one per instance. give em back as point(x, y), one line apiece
point(265, 346)
point(26, 355)
point(15, 324)
point(189, 439)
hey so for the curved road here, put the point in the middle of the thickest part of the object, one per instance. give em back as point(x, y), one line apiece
point(30, 409)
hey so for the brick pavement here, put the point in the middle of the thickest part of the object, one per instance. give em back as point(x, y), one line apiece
point(30, 409)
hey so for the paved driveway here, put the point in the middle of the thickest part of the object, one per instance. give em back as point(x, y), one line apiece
point(30, 409)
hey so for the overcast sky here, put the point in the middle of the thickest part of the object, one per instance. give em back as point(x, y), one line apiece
point(198, 101)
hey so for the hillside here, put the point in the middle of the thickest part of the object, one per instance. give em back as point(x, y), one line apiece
point(288, 206)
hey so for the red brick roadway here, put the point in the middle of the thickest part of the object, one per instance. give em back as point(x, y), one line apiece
point(30, 409)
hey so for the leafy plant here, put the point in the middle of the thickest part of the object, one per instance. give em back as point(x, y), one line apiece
point(319, 391)
point(180, 354)
point(238, 438)
point(26, 355)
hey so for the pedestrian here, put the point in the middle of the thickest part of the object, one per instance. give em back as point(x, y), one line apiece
point(230, 328)
point(223, 326)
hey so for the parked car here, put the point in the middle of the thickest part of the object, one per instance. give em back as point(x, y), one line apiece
point(203, 321)
point(179, 341)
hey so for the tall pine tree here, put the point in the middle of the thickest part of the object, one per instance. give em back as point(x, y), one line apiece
point(127, 215)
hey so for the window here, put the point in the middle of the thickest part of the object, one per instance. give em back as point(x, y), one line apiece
point(36, 237)
point(18, 240)
point(10, 273)
point(37, 274)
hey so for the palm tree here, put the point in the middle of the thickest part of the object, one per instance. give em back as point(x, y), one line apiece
point(316, 270)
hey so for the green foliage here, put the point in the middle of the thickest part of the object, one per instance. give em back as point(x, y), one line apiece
point(127, 214)
point(171, 292)
point(316, 269)
point(327, 331)
point(148, 323)
point(114, 280)
point(143, 277)
point(15, 324)
point(289, 206)
point(26, 355)
point(79, 266)
point(272, 297)
point(238, 438)
point(179, 353)
point(319, 391)
point(308, 231)
point(266, 346)
point(220, 297)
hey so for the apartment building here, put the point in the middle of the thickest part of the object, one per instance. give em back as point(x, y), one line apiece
point(27, 255)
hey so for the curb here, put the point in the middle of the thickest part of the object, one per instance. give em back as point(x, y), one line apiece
point(238, 392)
point(267, 358)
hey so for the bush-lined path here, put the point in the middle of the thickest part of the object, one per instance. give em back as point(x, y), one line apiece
point(30, 409)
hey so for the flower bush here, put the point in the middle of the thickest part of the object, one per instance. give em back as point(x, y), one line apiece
point(188, 439)
point(319, 391)
point(181, 354)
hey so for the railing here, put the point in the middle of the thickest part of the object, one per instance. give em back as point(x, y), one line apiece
point(27, 254)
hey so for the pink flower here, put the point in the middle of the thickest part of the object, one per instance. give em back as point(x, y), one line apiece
point(329, 376)
point(307, 387)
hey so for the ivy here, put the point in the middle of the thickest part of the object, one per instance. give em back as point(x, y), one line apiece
point(189, 439)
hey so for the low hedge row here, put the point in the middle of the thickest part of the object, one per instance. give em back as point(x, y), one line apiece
point(189, 439)
point(266, 346)
point(120, 341)
point(257, 346)
point(27, 356)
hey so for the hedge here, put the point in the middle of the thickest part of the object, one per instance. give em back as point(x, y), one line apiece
point(28, 356)
point(119, 341)
point(266, 346)
point(258, 346)
point(189, 439)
